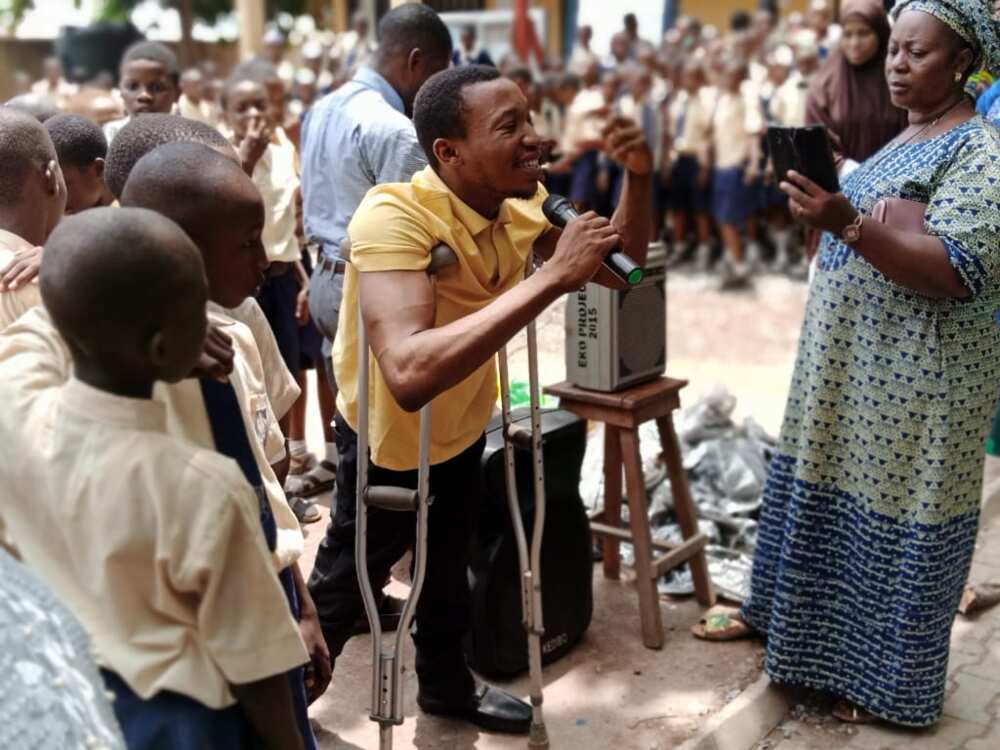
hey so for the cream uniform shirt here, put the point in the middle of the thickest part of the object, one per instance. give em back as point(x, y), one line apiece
point(15, 303)
point(277, 178)
point(153, 542)
point(581, 123)
point(736, 128)
point(35, 336)
point(688, 123)
point(789, 103)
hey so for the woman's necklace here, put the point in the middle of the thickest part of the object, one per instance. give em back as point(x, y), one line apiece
point(892, 147)
point(933, 124)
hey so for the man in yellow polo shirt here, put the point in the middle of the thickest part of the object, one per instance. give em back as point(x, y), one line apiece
point(481, 196)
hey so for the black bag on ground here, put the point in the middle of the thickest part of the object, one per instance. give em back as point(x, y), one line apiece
point(497, 644)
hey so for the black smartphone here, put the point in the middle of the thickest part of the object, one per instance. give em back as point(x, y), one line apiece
point(806, 150)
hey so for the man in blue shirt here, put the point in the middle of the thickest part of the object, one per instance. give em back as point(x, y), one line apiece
point(355, 138)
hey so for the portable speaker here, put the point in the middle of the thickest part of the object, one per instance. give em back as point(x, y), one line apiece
point(497, 645)
point(616, 339)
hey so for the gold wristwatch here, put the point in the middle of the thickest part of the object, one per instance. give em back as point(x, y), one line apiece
point(852, 232)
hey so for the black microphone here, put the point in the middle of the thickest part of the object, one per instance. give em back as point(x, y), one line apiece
point(559, 211)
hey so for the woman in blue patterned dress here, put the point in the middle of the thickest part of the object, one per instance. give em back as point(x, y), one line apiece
point(871, 507)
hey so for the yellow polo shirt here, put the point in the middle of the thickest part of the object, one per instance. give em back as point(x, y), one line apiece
point(394, 229)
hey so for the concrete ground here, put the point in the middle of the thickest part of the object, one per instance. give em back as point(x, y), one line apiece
point(611, 692)
point(971, 718)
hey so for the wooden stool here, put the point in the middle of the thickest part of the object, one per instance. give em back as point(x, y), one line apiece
point(622, 413)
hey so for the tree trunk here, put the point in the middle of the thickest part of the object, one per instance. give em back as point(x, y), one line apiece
point(185, 7)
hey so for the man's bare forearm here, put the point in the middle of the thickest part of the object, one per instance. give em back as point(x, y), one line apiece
point(632, 218)
point(429, 362)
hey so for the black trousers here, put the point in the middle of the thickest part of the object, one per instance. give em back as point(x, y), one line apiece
point(444, 610)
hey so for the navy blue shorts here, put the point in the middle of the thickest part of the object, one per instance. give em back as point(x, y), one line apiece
point(732, 200)
point(684, 193)
point(769, 196)
point(171, 721)
point(277, 299)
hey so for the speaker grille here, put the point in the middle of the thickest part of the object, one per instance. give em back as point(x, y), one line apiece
point(642, 336)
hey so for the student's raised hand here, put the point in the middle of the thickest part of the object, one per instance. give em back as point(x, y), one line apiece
point(216, 360)
point(22, 269)
point(254, 143)
point(626, 144)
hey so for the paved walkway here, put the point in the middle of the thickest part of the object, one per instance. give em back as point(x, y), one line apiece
point(972, 708)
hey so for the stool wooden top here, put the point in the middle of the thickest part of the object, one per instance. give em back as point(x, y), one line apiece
point(631, 399)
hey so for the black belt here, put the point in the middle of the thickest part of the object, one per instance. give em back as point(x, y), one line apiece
point(336, 266)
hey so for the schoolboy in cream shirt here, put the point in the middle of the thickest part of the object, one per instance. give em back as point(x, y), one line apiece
point(155, 543)
point(32, 201)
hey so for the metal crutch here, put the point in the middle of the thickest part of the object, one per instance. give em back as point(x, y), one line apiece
point(529, 560)
point(387, 661)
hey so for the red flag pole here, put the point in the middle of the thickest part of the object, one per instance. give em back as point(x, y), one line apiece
point(523, 36)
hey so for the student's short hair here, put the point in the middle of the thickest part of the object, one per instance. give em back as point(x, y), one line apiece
point(439, 109)
point(568, 80)
point(38, 106)
point(740, 20)
point(187, 182)
point(142, 134)
point(413, 26)
point(256, 70)
point(78, 140)
point(154, 52)
point(110, 275)
point(521, 72)
point(24, 145)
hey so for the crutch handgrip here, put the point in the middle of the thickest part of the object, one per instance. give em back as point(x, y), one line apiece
point(520, 436)
point(392, 498)
point(442, 256)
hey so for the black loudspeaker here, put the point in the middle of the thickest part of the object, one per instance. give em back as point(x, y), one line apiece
point(96, 48)
point(497, 644)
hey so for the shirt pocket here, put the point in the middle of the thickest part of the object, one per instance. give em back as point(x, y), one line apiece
point(266, 428)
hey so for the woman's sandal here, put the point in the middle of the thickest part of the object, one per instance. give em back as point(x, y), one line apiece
point(850, 713)
point(721, 626)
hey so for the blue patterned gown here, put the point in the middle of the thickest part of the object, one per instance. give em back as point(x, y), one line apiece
point(872, 503)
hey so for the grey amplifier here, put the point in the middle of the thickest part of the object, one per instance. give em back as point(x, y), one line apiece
point(615, 339)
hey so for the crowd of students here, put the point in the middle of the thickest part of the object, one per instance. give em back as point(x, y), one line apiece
point(703, 96)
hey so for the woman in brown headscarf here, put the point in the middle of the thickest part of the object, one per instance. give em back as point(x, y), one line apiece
point(849, 95)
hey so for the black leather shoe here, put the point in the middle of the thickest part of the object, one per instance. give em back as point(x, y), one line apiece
point(489, 708)
point(390, 613)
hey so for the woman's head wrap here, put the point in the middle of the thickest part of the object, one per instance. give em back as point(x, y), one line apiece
point(972, 20)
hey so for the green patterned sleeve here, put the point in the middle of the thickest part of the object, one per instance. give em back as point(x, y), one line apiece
point(964, 211)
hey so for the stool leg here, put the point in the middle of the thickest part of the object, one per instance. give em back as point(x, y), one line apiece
point(642, 543)
point(687, 519)
point(612, 501)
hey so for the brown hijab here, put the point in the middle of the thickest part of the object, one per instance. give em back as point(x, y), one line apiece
point(853, 101)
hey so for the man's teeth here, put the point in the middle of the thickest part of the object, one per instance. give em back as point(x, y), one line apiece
point(530, 164)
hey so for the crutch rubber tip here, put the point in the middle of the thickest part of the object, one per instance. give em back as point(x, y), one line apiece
point(538, 737)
